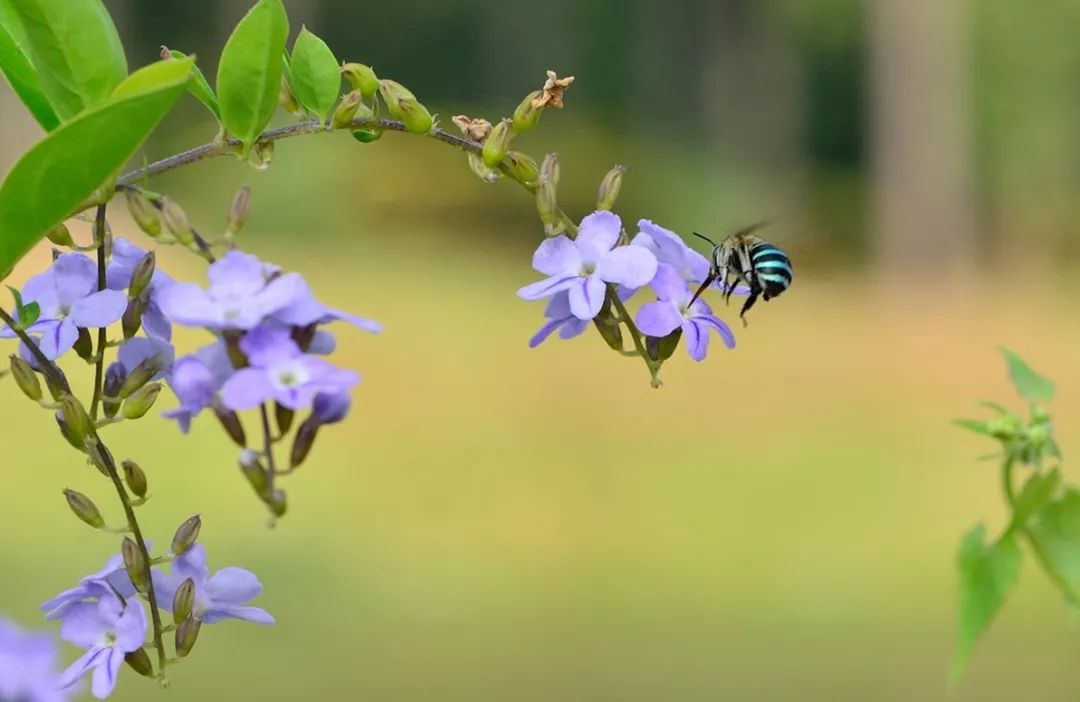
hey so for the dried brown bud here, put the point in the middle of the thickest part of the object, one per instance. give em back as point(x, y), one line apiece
point(475, 129)
point(551, 94)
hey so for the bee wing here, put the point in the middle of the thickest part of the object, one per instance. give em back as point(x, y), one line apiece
point(752, 228)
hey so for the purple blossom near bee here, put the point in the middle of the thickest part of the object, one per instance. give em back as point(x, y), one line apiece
point(220, 596)
point(673, 310)
point(108, 628)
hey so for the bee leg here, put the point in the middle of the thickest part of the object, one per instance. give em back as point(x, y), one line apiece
point(708, 281)
point(747, 305)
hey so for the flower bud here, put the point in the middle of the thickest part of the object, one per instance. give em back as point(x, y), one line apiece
point(134, 564)
point(231, 424)
point(76, 418)
point(140, 376)
point(548, 209)
point(286, 98)
point(141, 276)
point(84, 508)
point(609, 188)
point(141, 401)
point(303, 441)
point(139, 662)
point(367, 135)
point(1039, 415)
point(143, 212)
point(56, 382)
point(476, 129)
point(238, 211)
point(361, 78)
point(135, 478)
point(549, 169)
point(263, 154)
point(114, 378)
point(69, 436)
point(183, 600)
point(100, 456)
point(284, 417)
point(176, 221)
point(478, 167)
point(253, 471)
point(25, 378)
point(60, 235)
point(346, 110)
point(132, 318)
point(186, 636)
point(84, 345)
point(186, 535)
point(415, 116)
point(527, 114)
point(521, 167)
point(277, 503)
point(392, 94)
point(497, 144)
point(330, 407)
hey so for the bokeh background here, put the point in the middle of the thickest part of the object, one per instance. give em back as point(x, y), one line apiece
point(498, 523)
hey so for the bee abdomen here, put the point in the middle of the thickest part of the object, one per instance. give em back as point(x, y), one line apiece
point(772, 268)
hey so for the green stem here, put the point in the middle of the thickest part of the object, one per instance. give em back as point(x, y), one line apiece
point(1007, 481)
point(99, 363)
point(268, 449)
point(635, 334)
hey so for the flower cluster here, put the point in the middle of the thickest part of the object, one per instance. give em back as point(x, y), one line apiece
point(592, 271)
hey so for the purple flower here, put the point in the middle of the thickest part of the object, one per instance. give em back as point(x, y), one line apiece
point(305, 309)
point(279, 370)
point(28, 666)
point(125, 256)
point(137, 349)
point(669, 248)
point(243, 291)
point(583, 265)
point(195, 386)
point(559, 317)
point(68, 297)
point(112, 579)
point(672, 311)
point(331, 408)
point(219, 596)
point(108, 629)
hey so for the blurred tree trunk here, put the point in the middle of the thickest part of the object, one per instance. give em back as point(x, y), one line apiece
point(920, 135)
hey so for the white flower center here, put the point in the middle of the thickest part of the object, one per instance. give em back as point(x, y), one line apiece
point(290, 375)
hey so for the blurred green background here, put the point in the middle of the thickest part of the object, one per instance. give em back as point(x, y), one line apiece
point(498, 523)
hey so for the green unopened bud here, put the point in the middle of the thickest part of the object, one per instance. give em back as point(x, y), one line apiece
point(481, 170)
point(132, 317)
point(303, 441)
point(186, 636)
point(346, 110)
point(361, 78)
point(115, 375)
point(253, 470)
point(549, 169)
point(392, 94)
point(139, 662)
point(497, 144)
point(84, 508)
point(609, 188)
point(521, 167)
point(184, 600)
point(76, 417)
point(186, 535)
point(661, 349)
point(367, 135)
point(286, 98)
point(1040, 415)
point(548, 209)
point(176, 221)
point(56, 382)
point(60, 235)
point(230, 422)
point(141, 276)
point(277, 503)
point(263, 154)
point(143, 212)
point(140, 376)
point(26, 379)
point(1005, 427)
point(69, 436)
point(284, 417)
point(134, 564)
point(135, 478)
point(84, 345)
point(238, 211)
point(527, 114)
point(415, 116)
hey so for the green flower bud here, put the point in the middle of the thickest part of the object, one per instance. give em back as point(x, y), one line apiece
point(661, 349)
point(1038, 435)
point(366, 136)
point(115, 375)
point(132, 318)
point(303, 441)
point(231, 424)
point(60, 235)
point(1040, 415)
point(415, 116)
point(186, 535)
point(69, 436)
point(263, 155)
point(253, 470)
point(100, 456)
point(186, 636)
point(346, 110)
point(56, 382)
point(1005, 427)
point(26, 379)
point(184, 600)
point(549, 169)
point(84, 345)
point(284, 417)
point(286, 98)
point(140, 662)
point(497, 144)
point(238, 211)
point(521, 167)
point(548, 208)
point(176, 221)
point(76, 418)
point(527, 114)
point(140, 277)
point(140, 376)
point(609, 188)
point(392, 94)
point(361, 78)
point(135, 478)
point(481, 171)
point(84, 508)
point(135, 564)
point(143, 212)
point(277, 503)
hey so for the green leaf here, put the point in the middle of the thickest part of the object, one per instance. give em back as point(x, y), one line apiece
point(1056, 528)
point(249, 75)
point(979, 427)
point(29, 314)
point(18, 69)
point(61, 171)
point(1037, 491)
point(1031, 386)
point(987, 573)
point(315, 76)
point(198, 85)
point(76, 50)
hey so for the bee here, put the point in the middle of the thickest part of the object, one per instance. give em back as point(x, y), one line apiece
point(762, 266)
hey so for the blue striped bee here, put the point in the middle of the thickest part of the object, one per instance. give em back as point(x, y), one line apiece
point(763, 267)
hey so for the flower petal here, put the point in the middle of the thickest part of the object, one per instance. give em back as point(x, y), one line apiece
point(74, 672)
point(75, 277)
point(83, 624)
point(719, 327)
point(130, 628)
point(587, 297)
point(236, 275)
point(99, 310)
point(573, 327)
point(258, 615)
point(658, 318)
point(104, 681)
point(57, 338)
point(669, 285)
point(697, 339)
point(155, 324)
point(597, 235)
point(233, 586)
point(557, 256)
point(247, 389)
point(632, 266)
point(192, 564)
point(190, 305)
point(547, 287)
point(544, 332)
